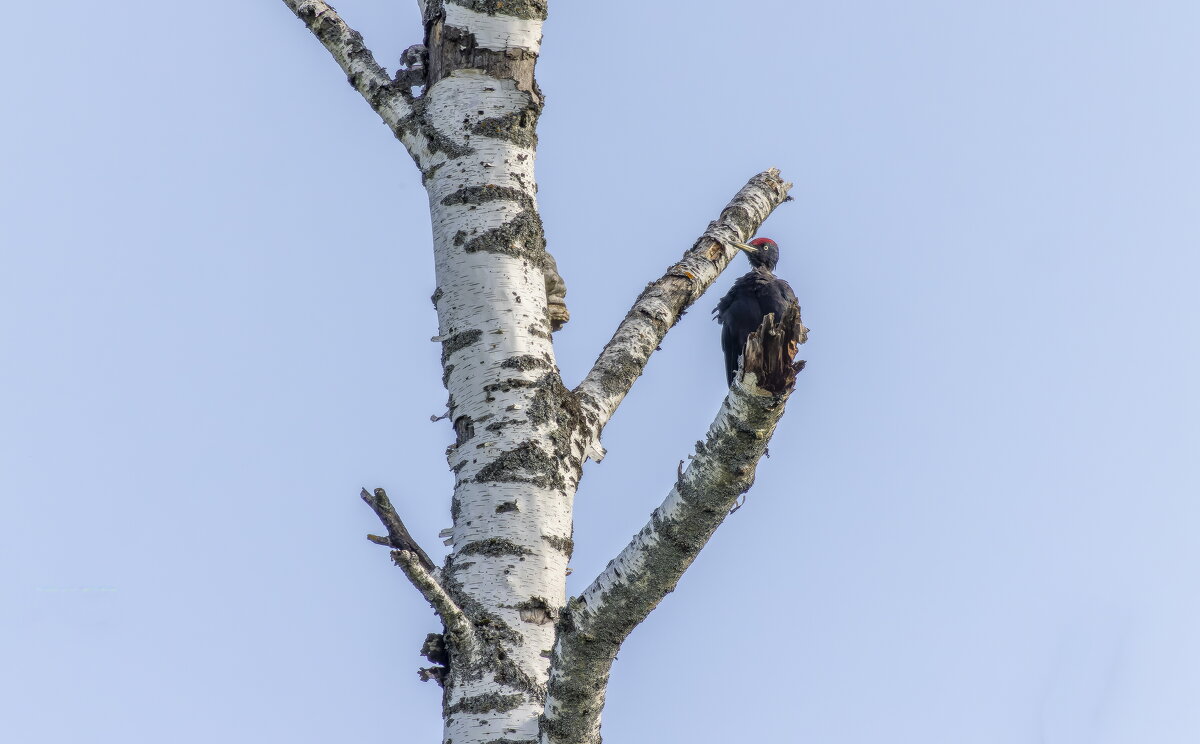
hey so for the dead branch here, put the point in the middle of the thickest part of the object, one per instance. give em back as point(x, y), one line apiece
point(662, 302)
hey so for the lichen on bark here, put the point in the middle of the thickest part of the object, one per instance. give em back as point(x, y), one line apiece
point(528, 9)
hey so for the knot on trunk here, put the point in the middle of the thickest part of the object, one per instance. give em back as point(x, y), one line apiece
point(435, 650)
point(412, 70)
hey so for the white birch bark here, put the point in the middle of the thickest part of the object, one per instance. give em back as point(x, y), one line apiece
point(515, 478)
point(466, 109)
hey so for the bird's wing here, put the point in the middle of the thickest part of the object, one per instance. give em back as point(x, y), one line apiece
point(786, 290)
point(740, 312)
point(743, 286)
point(732, 351)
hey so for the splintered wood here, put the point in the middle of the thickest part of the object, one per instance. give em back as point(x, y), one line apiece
point(770, 352)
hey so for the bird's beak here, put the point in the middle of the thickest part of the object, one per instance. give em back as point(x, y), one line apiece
point(744, 247)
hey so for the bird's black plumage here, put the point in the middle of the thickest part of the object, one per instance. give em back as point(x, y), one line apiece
point(751, 298)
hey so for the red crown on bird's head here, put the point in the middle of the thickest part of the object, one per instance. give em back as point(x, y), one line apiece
point(760, 242)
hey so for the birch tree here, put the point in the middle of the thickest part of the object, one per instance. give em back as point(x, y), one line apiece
point(519, 661)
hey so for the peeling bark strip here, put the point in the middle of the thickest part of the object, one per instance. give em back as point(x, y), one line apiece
point(662, 302)
point(594, 625)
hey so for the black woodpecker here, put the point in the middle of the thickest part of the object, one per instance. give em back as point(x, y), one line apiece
point(751, 298)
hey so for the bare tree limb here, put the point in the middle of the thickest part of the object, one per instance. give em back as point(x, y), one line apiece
point(417, 566)
point(391, 100)
point(662, 302)
point(594, 625)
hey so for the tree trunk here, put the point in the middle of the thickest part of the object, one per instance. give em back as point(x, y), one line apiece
point(466, 107)
point(515, 471)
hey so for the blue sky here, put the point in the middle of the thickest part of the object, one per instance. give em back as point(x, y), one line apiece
point(978, 522)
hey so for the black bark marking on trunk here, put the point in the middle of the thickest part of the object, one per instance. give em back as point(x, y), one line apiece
point(487, 193)
point(516, 127)
point(525, 362)
point(564, 545)
point(554, 406)
point(492, 629)
point(429, 172)
point(494, 636)
point(504, 386)
point(415, 124)
point(534, 10)
point(522, 237)
point(509, 674)
point(458, 342)
point(494, 547)
point(507, 506)
point(527, 463)
point(488, 703)
point(553, 403)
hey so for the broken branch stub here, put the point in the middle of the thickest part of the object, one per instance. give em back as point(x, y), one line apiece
point(398, 536)
point(770, 353)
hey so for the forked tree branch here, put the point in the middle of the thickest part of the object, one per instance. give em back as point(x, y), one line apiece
point(594, 625)
point(662, 302)
point(417, 566)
